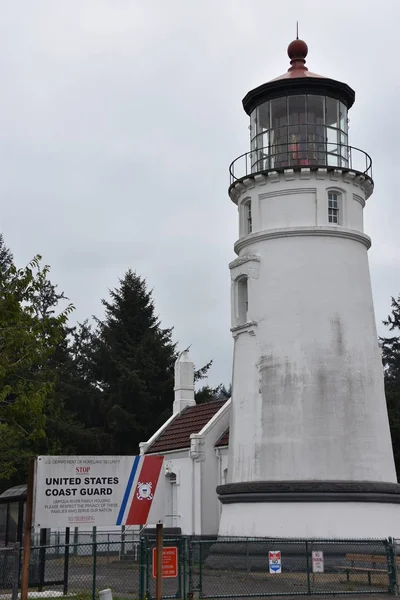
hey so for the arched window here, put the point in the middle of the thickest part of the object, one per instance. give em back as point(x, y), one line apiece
point(245, 218)
point(248, 223)
point(243, 300)
point(334, 207)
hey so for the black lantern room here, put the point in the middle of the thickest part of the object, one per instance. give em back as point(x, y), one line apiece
point(299, 120)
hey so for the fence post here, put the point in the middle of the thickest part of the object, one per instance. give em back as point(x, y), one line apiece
point(66, 561)
point(94, 564)
point(42, 558)
point(200, 569)
point(142, 569)
point(148, 552)
point(392, 565)
point(179, 544)
point(76, 541)
point(17, 549)
point(308, 570)
point(189, 555)
point(123, 540)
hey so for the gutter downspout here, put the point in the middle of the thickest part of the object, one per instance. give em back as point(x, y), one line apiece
point(193, 497)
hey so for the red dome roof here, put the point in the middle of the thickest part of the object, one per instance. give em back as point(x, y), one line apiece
point(297, 52)
point(298, 80)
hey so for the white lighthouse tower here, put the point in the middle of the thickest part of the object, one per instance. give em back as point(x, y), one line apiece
point(310, 450)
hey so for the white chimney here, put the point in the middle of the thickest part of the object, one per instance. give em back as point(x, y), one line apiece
point(184, 382)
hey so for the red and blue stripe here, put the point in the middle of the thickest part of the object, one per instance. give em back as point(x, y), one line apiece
point(145, 469)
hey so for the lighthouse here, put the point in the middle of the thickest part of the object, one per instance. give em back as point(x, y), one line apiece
point(310, 452)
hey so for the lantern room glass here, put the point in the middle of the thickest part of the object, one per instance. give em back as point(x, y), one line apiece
point(302, 130)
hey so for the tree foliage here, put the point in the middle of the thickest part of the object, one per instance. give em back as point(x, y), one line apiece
point(6, 258)
point(391, 362)
point(27, 341)
point(133, 360)
point(83, 389)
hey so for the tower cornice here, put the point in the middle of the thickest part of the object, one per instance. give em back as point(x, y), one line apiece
point(284, 232)
point(358, 179)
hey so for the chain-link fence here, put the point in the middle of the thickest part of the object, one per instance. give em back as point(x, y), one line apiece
point(243, 568)
point(9, 570)
point(210, 568)
point(85, 569)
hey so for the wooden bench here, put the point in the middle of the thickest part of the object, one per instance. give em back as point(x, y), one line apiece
point(374, 559)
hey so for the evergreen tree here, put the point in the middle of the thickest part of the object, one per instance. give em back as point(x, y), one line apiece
point(391, 363)
point(207, 393)
point(133, 363)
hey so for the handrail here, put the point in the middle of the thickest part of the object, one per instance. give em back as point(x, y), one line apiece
point(296, 155)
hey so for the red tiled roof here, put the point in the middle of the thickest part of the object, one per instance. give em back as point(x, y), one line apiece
point(191, 420)
point(223, 440)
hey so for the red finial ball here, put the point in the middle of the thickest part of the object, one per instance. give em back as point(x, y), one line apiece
point(297, 50)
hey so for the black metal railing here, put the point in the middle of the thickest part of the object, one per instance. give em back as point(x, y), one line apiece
point(298, 155)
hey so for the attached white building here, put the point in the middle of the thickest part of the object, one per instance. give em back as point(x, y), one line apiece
point(194, 442)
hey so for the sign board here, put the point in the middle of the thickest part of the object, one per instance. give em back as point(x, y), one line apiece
point(275, 562)
point(169, 561)
point(71, 491)
point(317, 561)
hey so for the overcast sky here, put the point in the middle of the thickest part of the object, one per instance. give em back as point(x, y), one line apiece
point(118, 121)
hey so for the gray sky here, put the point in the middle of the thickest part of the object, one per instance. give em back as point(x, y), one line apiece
point(118, 121)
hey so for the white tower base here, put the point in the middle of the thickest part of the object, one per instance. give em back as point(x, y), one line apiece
point(361, 510)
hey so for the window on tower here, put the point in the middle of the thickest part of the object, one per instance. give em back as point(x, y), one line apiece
point(249, 222)
point(334, 208)
point(242, 300)
point(245, 217)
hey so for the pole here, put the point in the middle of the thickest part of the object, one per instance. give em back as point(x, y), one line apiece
point(14, 595)
point(28, 530)
point(42, 558)
point(159, 549)
point(308, 570)
point(94, 563)
point(66, 561)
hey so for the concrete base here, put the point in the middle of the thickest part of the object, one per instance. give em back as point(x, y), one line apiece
point(310, 509)
point(311, 520)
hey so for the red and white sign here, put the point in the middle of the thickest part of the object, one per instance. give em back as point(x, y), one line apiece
point(275, 561)
point(169, 561)
point(317, 561)
point(73, 491)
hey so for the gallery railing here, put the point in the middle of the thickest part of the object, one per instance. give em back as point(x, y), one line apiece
point(300, 155)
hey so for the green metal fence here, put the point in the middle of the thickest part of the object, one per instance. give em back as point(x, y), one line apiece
point(219, 568)
point(9, 570)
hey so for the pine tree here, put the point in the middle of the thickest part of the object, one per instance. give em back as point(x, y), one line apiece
point(391, 363)
point(133, 365)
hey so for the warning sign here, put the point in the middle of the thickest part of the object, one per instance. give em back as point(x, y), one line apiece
point(169, 561)
point(317, 561)
point(275, 562)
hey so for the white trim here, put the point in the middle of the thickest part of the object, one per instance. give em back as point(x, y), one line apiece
point(248, 327)
point(210, 424)
point(329, 231)
point(356, 178)
point(144, 445)
point(287, 192)
point(241, 260)
point(168, 452)
point(359, 199)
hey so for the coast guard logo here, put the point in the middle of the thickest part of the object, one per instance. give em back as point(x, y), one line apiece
point(144, 491)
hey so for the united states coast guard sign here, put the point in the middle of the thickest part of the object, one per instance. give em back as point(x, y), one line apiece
point(98, 491)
